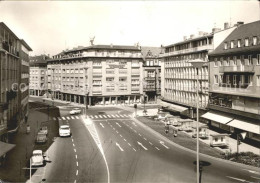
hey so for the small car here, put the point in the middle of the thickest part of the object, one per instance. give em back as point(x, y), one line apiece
point(44, 129)
point(75, 111)
point(41, 137)
point(37, 158)
point(64, 131)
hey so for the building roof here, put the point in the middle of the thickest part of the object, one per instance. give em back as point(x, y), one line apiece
point(4, 25)
point(26, 45)
point(38, 60)
point(241, 32)
point(150, 51)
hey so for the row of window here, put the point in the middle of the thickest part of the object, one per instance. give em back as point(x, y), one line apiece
point(236, 80)
point(237, 60)
point(252, 41)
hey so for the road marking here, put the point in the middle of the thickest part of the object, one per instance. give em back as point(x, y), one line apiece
point(121, 149)
point(63, 118)
point(157, 148)
point(77, 117)
point(125, 115)
point(72, 139)
point(96, 116)
point(76, 156)
point(75, 150)
point(118, 124)
point(124, 139)
point(129, 144)
point(145, 139)
point(100, 116)
point(104, 116)
point(134, 123)
point(139, 143)
point(252, 171)
point(73, 145)
point(139, 134)
point(114, 128)
point(68, 117)
point(151, 143)
point(121, 115)
point(102, 125)
point(134, 149)
point(117, 116)
point(117, 132)
point(121, 135)
point(112, 115)
point(241, 180)
point(77, 163)
point(77, 172)
point(109, 116)
point(135, 131)
point(161, 142)
point(255, 177)
point(72, 117)
point(75, 181)
point(91, 116)
point(131, 128)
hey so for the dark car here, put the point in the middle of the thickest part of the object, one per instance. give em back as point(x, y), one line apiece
point(41, 138)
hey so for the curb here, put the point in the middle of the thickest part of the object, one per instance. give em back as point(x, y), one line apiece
point(189, 150)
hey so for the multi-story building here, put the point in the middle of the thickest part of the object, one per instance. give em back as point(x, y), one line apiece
point(13, 55)
point(152, 73)
point(38, 75)
point(98, 74)
point(234, 99)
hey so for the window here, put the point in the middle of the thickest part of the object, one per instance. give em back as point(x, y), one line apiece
point(242, 79)
point(249, 77)
point(232, 44)
point(109, 79)
point(246, 42)
point(221, 78)
point(215, 64)
point(258, 80)
point(216, 79)
point(254, 40)
point(225, 46)
point(122, 79)
point(147, 63)
point(228, 79)
point(239, 43)
point(249, 59)
point(234, 79)
point(258, 59)
point(234, 60)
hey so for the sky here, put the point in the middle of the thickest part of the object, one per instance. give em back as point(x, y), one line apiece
point(52, 26)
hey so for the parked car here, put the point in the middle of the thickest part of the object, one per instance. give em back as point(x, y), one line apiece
point(37, 158)
point(44, 129)
point(41, 137)
point(75, 111)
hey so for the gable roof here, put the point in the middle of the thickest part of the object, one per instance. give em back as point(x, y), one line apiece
point(150, 51)
point(241, 32)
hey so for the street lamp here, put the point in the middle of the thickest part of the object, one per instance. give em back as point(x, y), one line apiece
point(197, 64)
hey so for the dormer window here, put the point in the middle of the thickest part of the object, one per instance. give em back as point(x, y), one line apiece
point(225, 46)
point(246, 42)
point(239, 43)
point(254, 40)
point(232, 44)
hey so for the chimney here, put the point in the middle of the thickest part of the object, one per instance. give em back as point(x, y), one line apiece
point(111, 45)
point(214, 30)
point(192, 36)
point(184, 38)
point(239, 23)
point(226, 25)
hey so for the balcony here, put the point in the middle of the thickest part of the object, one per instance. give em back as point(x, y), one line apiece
point(150, 78)
point(189, 50)
point(97, 73)
point(240, 68)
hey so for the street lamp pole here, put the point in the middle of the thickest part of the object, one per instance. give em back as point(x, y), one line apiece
point(197, 64)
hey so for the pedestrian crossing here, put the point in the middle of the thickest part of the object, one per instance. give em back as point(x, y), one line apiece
point(108, 116)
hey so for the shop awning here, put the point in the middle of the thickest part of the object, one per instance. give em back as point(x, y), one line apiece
point(177, 108)
point(5, 147)
point(164, 104)
point(245, 125)
point(218, 117)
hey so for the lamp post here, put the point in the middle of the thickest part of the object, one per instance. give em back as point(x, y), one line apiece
point(197, 64)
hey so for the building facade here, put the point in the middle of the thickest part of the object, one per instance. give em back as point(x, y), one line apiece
point(152, 73)
point(98, 74)
point(234, 99)
point(38, 75)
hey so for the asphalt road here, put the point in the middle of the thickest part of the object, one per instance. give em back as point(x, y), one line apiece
point(111, 146)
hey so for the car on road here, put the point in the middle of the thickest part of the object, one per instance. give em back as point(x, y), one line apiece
point(64, 131)
point(41, 137)
point(75, 111)
point(44, 129)
point(37, 158)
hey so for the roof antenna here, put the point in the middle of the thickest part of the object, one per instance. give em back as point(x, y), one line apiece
point(92, 40)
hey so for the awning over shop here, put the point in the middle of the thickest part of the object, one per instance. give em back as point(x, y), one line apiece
point(177, 108)
point(245, 125)
point(5, 147)
point(164, 104)
point(218, 117)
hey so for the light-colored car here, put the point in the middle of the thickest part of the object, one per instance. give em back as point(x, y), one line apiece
point(44, 129)
point(64, 131)
point(41, 137)
point(37, 158)
point(75, 111)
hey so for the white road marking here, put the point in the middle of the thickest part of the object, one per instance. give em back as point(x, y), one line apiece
point(124, 139)
point(91, 116)
point(157, 148)
point(118, 125)
point(121, 149)
point(161, 142)
point(73, 145)
point(63, 118)
point(77, 163)
point(77, 172)
point(96, 116)
point(72, 117)
point(102, 125)
point(252, 171)
point(72, 139)
point(134, 149)
point(129, 144)
point(114, 128)
point(139, 134)
point(112, 115)
point(109, 116)
point(75, 181)
point(104, 116)
point(121, 135)
point(139, 143)
point(151, 143)
point(145, 139)
point(117, 132)
point(241, 180)
point(131, 128)
point(100, 116)
point(125, 115)
point(75, 150)
point(135, 131)
point(134, 123)
point(76, 156)
point(77, 117)
point(117, 116)
point(121, 115)
point(129, 115)
point(256, 177)
point(68, 117)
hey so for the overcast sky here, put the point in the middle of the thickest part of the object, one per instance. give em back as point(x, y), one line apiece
point(52, 26)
